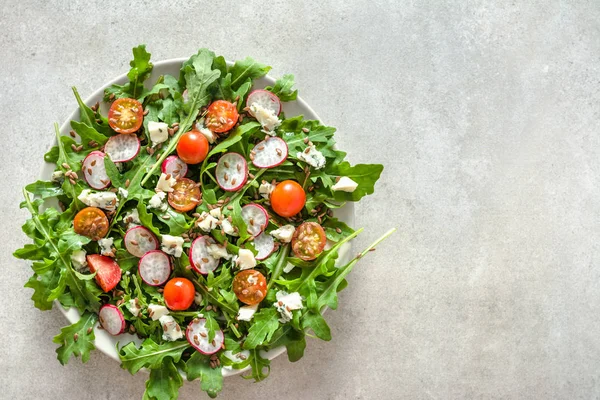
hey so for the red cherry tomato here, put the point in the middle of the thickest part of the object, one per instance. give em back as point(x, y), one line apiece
point(125, 115)
point(185, 195)
point(179, 294)
point(308, 241)
point(221, 116)
point(250, 286)
point(108, 272)
point(91, 222)
point(192, 147)
point(288, 198)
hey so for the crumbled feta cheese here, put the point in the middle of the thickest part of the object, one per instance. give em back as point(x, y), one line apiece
point(217, 251)
point(245, 259)
point(312, 157)
point(155, 311)
point(58, 176)
point(286, 303)
point(133, 306)
point(345, 184)
point(209, 135)
point(228, 228)
point(157, 201)
point(289, 267)
point(265, 117)
point(106, 246)
point(172, 245)
point(198, 298)
point(265, 189)
point(284, 233)
point(246, 313)
point(78, 260)
point(207, 222)
point(159, 132)
point(216, 213)
point(237, 357)
point(123, 192)
point(164, 184)
point(171, 329)
point(105, 200)
point(132, 218)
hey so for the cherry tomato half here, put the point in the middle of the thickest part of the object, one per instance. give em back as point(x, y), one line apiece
point(91, 222)
point(192, 147)
point(222, 116)
point(179, 294)
point(308, 241)
point(108, 272)
point(185, 195)
point(250, 286)
point(288, 198)
point(125, 115)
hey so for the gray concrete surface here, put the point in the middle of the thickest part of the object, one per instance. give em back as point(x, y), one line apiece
point(486, 115)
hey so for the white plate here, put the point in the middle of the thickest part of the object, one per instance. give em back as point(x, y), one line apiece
point(106, 342)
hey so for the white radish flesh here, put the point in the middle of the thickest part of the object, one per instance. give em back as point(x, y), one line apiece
point(122, 147)
point(264, 244)
point(231, 172)
point(200, 258)
point(197, 334)
point(94, 171)
point(139, 240)
point(265, 99)
point(255, 217)
point(155, 268)
point(111, 319)
point(270, 153)
point(175, 166)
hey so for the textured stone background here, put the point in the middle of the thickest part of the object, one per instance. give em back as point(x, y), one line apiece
point(486, 115)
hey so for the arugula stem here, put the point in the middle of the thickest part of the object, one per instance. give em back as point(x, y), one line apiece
point(212, 298)
point(281, 261)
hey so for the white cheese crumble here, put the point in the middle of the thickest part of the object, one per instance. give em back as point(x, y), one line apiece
point(198, 298)
point(58, 176)
point(217, 251)
point(265, 117)
point(265, 189)
point(209, 135)
point(155, 311)
point(246, 313)
point(123, 192)
point(164, 184)
point(172, 245)
point(106, 246)
point(207, 222)
point(134, 308)
point(216, 213)
point(345, 184)
point(78, 260)
point(288, 268)
point(105, 200)
point(157, 201)
point(286, 303)
point(312, 157)
point(171, 329)
point(245, 259)
point(284, 233)
point(159, 132)
point(228, 228)
point(132, 218)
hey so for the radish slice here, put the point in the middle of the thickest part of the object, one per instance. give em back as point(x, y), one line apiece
point(231, 172)
point(256, 218)
point(265, 99)
point(270, 152)
point(123, 147)
point(264, 244)
point(197, 334)
point(155, 268)
point(94, 172)
point(111, 319)
point(200, 258)
point(175, 166)
point(139, 240)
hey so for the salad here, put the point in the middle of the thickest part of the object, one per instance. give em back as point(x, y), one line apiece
point(196, 216)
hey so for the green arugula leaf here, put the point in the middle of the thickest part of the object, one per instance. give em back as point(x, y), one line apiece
point(44, 189)
point(164, 382)
point(141, 68)
point(283, 88)
point(87, 134)
point(332, 225)
point(198, 366)
point(316, 322)
point(293, 340)
point(91, 118)
point(364, 174)
point(150, 354)
point(259, 365)
point(76, 339)
point(264, 325)
point(245, 69)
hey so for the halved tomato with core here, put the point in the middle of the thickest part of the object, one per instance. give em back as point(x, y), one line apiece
point(308, 241)
point(91, 222)
point(221, 116)
point(185, 195)
point(125, 115)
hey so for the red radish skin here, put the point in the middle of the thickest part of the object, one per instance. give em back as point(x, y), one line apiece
point(256, 218)
point(94, 171)
point(199, 253)
point(108, 272)
point(155, 268)
point(197, 334)
point(111, 319)
point(231, 172)
point(175, 166)
point(270, 153)
point(140, 240)
point(265, 99)
point(265, 245)
point(123, 147)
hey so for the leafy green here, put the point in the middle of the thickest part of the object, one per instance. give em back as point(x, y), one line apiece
point(141, 67)
point(198, 366)
point(245, 69)
point(283, 88)
point(44, 189)
point(164, 382)
point(76, 339)
point(150, 354)
point(264, 325)
point(364, 174)
point(259, 364)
